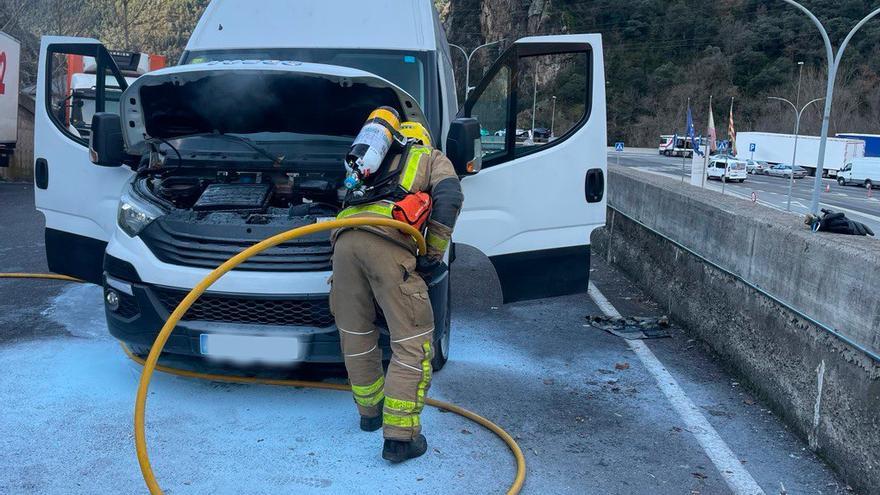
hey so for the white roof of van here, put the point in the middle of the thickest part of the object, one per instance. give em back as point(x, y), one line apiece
point(366, 24)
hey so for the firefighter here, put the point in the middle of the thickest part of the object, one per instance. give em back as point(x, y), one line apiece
point(415, 183)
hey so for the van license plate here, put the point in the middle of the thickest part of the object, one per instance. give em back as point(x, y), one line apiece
point(251, 348)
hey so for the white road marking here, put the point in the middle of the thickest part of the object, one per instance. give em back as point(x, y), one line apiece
point(820, 380)
point(738, 479)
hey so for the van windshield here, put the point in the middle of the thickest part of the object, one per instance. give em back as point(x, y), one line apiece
point(405, 69)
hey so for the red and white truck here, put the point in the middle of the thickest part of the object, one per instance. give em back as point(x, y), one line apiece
point(10, 52)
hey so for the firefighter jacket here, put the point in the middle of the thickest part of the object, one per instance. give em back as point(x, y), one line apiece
point(424, 169)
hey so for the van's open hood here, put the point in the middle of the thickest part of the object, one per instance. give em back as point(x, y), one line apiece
point(256, 96)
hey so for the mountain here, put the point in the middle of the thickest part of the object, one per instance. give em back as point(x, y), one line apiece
point(660, 53)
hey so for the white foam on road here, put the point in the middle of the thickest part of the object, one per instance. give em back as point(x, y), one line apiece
point(735, 475)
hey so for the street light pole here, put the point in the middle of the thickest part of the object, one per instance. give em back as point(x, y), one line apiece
point(797, 128)
point(833, 66)
point(553, 119)
point(467, 58)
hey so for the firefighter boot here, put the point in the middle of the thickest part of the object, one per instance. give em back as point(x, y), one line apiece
point(372, 423)
point(399, 451)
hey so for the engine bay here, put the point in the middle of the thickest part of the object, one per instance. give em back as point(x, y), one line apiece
point(230, 197)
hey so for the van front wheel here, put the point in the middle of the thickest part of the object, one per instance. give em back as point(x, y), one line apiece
point(869, 184)
point(441, 345)
point(841, 181)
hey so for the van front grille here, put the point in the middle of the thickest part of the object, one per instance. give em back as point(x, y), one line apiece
point(201, 247)
point(304, 311)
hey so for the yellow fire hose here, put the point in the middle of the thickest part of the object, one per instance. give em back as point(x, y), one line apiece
point(151, 362)
point(49, 276)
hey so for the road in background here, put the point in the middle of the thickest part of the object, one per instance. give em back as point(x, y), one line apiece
point(770, 191)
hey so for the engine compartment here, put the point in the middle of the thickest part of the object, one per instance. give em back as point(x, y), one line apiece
point(229, 196)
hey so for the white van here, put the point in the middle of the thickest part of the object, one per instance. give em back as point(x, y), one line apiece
point(261, 110)
point(725, 168)
point(860, 171)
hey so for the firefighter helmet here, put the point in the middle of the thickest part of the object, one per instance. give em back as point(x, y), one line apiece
point(414, 130)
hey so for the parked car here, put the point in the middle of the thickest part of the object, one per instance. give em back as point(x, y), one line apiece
point(725, 168)
point(541, 133)
point(756, 166)
point(860, 171)
point(785, 170)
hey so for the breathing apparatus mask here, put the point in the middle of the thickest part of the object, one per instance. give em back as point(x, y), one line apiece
point(367, 152)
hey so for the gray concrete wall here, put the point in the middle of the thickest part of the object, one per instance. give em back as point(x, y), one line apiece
point(828, 390)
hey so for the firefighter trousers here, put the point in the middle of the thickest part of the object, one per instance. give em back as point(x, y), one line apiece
point(370, 269)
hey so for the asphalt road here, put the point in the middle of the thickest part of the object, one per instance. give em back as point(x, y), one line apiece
point(770, 191)
point(586, 409)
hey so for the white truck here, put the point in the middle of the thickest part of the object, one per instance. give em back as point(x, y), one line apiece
point(10, 52)
point(861, 172)
point(129, 209)
point(726, 169)
point(779, 148)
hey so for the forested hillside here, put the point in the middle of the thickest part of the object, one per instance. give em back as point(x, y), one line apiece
point(657, 53)
point(155, 26)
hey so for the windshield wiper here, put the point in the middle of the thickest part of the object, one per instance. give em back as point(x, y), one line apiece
point(276, 159)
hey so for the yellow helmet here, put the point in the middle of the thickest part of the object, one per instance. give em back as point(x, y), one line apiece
point(416, 131)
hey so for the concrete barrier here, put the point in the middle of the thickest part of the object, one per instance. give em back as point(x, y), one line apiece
point(796, 314)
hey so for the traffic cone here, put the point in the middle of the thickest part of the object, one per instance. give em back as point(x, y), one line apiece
point(827, 187)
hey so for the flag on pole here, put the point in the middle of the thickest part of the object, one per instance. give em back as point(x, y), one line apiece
point(731, 132)
point(691, 132)
point(713, 138)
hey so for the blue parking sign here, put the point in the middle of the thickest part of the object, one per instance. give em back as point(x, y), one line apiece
point(618, 146)
point(753, 147)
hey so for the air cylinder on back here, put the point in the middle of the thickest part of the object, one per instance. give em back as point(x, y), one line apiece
point(371, 145)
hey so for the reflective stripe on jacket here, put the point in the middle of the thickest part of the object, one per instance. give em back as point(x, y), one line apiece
point(424, 169)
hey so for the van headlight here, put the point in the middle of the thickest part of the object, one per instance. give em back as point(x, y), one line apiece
point(134, 215)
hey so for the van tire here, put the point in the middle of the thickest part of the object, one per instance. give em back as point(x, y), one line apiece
point(841, 181)
point(868, 184)
point(441, 345)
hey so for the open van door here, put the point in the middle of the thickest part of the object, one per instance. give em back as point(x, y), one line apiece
point(541, 191)
point(78, 199)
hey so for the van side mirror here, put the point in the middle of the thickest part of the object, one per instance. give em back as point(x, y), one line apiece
point(106, 147)
point(463, 146)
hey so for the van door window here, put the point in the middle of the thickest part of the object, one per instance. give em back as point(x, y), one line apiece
point(551, 98)
point(720, 164)
point(492, 110)
point(77, 92)
point(544, 93)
